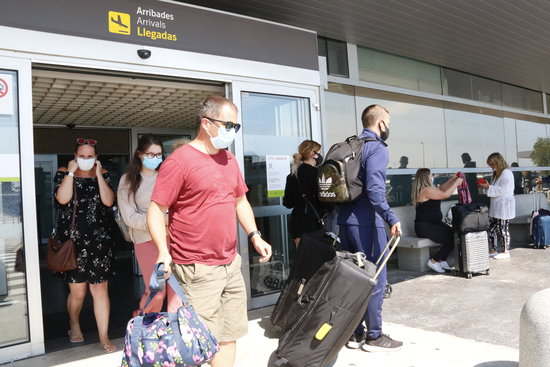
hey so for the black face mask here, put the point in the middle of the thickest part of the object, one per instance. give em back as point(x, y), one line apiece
point(319, 159)
point(384, 135)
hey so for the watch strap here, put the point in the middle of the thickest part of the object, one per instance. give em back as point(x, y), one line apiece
point(253, 233)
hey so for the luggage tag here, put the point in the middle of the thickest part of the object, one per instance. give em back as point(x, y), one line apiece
point(323, 331)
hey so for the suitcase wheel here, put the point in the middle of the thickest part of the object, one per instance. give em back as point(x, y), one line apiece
point(469, 275)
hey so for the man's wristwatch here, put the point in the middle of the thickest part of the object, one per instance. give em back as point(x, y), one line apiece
point(70, 173)
point(253, 233)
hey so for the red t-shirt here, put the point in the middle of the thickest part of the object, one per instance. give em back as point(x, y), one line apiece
point(200, 191)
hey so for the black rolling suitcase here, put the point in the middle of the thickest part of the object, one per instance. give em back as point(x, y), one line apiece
point(470, 223)
point(328, 309)
point(314, 250)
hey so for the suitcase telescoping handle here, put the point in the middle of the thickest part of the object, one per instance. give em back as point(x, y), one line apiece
point(395, 240)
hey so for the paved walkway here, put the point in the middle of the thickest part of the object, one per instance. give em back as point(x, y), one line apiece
point(443, 320)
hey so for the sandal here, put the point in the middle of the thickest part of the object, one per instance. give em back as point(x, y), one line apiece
point(108, 348)
point(75, 339)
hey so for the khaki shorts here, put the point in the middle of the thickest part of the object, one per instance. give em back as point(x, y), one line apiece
point(218, 295)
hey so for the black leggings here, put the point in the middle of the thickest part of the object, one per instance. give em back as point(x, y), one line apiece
point(439, 233)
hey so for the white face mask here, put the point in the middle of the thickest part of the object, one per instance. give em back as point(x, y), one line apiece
point(85, 164)
point(224, 138)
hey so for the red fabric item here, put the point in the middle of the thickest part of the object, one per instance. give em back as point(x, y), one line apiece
point(200, 191)
point(464, 196)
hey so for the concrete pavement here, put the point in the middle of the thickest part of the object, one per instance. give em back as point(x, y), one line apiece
point(443, 320)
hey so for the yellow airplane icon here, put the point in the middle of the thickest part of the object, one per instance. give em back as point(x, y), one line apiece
point(119, 22)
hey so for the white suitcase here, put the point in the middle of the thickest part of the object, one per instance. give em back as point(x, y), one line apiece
point(473, 253)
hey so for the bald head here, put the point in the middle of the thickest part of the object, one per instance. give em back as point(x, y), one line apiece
point(373, 114)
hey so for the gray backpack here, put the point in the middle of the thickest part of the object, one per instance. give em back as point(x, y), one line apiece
point(338, 176)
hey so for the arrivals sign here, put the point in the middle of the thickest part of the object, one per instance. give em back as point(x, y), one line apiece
point(168, 25)
point(6, 94)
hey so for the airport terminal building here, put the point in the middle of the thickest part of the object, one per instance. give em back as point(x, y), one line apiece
point(457, 90)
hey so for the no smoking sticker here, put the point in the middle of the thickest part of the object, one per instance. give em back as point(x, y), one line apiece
point(3, 88)
point(6, 99)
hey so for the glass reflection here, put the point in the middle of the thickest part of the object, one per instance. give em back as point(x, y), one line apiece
point(13, 288)
point(417, 132)
point(273, 125)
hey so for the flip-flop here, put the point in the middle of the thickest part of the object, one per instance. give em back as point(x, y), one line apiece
point(108, 348)
point(74, 339)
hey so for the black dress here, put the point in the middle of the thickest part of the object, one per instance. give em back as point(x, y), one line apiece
point(93, 235)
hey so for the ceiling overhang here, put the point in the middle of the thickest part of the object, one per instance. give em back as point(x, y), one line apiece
point(505, 40)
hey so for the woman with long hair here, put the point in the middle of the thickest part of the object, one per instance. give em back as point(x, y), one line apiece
point(134, 196)
point(92, 236)
point(502, 208)
point(429, 219)
point(301, 192)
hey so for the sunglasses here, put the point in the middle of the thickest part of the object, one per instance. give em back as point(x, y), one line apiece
point(228, 124)
point(82, 141)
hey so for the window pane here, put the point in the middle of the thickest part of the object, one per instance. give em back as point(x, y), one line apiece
point(337, 58)
point(457, 84)
point(273, 127)
point(513, 96)
point(417, 132)
point(527, 134)
point(340, 117)
point(13, 289)
point(486, 90)
point(384, 68)
point(321, 46)
point(468, 132)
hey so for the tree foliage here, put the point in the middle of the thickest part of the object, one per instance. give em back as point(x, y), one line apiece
point(541, 152)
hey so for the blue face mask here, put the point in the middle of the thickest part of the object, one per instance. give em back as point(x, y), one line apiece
point(151, 163)
point(224, 138)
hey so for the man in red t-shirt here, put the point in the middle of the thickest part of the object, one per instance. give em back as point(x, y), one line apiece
point(201, 187)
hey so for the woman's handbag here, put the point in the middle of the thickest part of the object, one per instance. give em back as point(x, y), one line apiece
point(178, 339)
point(124, 229)
point(61, 257)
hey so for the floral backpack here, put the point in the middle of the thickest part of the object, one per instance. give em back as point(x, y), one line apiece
point(178, 339)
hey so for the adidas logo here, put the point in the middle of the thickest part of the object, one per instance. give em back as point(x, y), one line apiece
point(325, 183)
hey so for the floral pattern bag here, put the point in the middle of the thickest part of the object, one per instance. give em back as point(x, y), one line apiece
point(168, 339)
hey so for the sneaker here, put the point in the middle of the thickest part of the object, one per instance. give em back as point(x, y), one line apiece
point(502, 255)
point(356, 341)
point(492, 254)
point(444, 265)
point(435, 267)
point(383, 344)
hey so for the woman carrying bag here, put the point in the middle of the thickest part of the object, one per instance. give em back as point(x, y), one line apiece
point(301, 192)
point(91, 232)
point(134, 196)
point(502, 208)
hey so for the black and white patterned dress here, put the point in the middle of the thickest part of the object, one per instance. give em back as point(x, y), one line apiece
point(93, 236)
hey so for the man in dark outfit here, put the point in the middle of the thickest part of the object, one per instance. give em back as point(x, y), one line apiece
point(362, 226)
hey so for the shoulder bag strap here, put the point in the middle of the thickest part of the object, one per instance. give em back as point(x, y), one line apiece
point(75, 204)
point(308, 202)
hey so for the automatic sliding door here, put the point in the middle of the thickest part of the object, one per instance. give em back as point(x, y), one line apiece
point(273, 127)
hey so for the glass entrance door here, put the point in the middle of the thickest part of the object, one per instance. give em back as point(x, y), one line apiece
point(20, 313)
point(275, 121)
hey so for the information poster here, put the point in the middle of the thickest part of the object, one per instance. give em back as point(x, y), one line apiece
point(6, 94)
point(277, 167)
